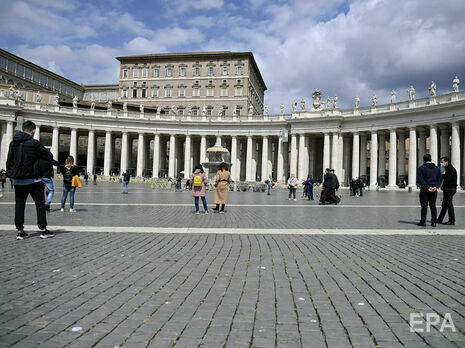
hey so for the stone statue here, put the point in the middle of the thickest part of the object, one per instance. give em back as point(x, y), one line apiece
point(173, 110)
point(12, 92)
point(141, 107)
point(335, 102)
point(75, 101)
point(1, 93)
point(302, 104)
point(266, 110)
point(432, 89)
point(204, 110)
point(393, 97)
point(109, 105)
point(317, 103)
point(411, 93)
point(189, 110)
point(250, 110)
point(281, 109)
point(220, 111)
point(235, 111)
point(38, 97)
point(357, 102)
point(92, 104)
point(328, 103)
point(455, 84)
point(374, 100)
point(294, 106)
point(125, 107)
point(56, 100)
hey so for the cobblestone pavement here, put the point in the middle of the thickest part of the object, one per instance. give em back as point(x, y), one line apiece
point(85, 289)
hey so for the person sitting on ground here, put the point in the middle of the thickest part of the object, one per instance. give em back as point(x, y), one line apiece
point(199, 182)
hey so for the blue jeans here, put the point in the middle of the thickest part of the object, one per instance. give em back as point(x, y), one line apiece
point(269, 189)
point(204, 201)
point(68, 188)
point(125, 186)
point(51, 190)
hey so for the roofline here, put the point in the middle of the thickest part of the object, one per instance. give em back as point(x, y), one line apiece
point(215, 54)
point(102, 85)
point(38, 67)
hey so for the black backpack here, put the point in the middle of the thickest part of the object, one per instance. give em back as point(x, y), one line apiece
point(68, 175)
point(18, 169)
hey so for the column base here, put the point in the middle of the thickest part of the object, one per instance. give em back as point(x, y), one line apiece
point(392, 187)
point(373, 187)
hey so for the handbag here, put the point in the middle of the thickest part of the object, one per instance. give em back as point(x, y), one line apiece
point(76, 182)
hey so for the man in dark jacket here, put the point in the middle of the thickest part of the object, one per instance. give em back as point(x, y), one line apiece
point(430, 179)
point(327, 185)
point(22, 167)
point(449, 188)
point(334, 187)
point(126, 178)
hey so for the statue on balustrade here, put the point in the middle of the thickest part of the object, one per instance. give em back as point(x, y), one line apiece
point(56, 100)
point(12, 92)
point(220, 111)
point(328, 103)
point(266, 110)
point(294, 106)
point(173, 110)
point(75, 101)
point(455, 84)
point(92, 104)
point(357, 102)
point(411, 93)
point(189, 110)
point(302, 104)
point(109, 105)
point(335, 102)
point(317, 103)
point(141, 107)
point(204, 110)
point(125, 107)
point(38, 97)
point(374, 100)
point(158, 109)
point(250, 110)
point(393, 97)
point(432, 89)
point(281, 109)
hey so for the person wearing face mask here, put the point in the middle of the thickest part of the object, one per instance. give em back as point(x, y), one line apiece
point(449, 188)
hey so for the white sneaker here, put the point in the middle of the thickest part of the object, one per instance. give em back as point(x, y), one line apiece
point(206, 212)
point(71, 210)
point(295, 199)
point(289, 199)
point(62, 209)
point(197, 213)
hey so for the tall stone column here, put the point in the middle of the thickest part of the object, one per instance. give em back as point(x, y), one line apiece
point(392, 159)
point(340, 157)
point(55, 143)
point(107, 154)
point(326, 151)
point(433, 143)
point(280, 164)
point(301, 169)
point(187, 157)
point(412, 158)
point(172, 156)
point(356, 155)
point(421, 146)
point(445, 148)
point(140, 155)
point(363, 154)
point(401, 156)
point(270, 157)
point(334, 152)
point(265, 172)
point(455, 147)
point(248, 171)
point(346, 163)
point(91, 151)
point(312, 155)
point(156, 155)
point(382, 155)
point(203, 149)
point(6, 140)
point(254, 159)
point(73, 145)
point(37, 134)
point(293, 161)
point(124, 153)
point(235, 169)
point(374, 160)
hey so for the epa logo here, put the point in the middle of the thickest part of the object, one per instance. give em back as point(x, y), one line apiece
point(420, 322)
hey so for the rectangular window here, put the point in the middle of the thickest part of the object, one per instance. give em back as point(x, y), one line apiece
point(124, 93)
point(238, 111)
point(144, 93)
point(182, 91)
point(168, 92)
point(196, 71)
point(210, 92)
point(209, 112)
point(180, 112)
point(134, 93)
point(210, 71)
point(35, 75)
point(11, 66)
point(20, 70)
point(154, 92)
point(195, 112)
point(144, 72)
point(155, 72)
point(238, 70)
point(125, 73)
point(224, 70)
point(42, 79)
point(169, 72)
point(224, 91)
point(182, 71)
point(238, 91)
point(196, 92)
point(28, 73)
point(2, 62)
point(135, 72)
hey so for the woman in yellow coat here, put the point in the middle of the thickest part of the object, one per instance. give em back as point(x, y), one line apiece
point(222, 181)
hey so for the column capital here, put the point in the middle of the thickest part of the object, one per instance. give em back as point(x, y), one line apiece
point(443, 127)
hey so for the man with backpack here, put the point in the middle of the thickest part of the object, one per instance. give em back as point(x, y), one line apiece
point(24, 171)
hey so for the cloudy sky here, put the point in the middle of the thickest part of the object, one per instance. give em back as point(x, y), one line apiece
point(343, 47)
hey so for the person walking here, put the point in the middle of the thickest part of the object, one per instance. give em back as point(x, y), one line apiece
point(449, 188)
point(126, 179)
point(429, 177)
point(292, 183)
point(199, 181)
point(269, 184)
point(86, 178)
point(95, 179)
point(23, 153)
point(46, 167)
point(309, 186)
point(3, 177)
point(327, 184)
point(222, 181)
point(69, 170)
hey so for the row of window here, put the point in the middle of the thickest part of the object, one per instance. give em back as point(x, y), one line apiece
point(182, 71)
point(168, 92)
point(27, 73)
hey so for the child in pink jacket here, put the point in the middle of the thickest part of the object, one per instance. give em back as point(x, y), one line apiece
point(199, 182)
